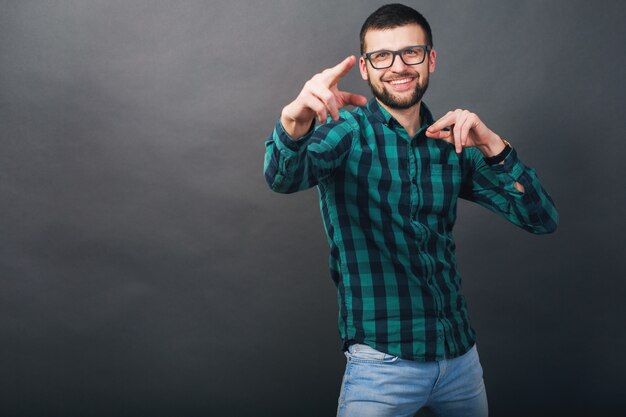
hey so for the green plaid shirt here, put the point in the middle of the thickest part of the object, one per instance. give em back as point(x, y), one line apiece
point(388, 204)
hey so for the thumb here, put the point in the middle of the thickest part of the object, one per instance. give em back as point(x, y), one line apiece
point(353, 99)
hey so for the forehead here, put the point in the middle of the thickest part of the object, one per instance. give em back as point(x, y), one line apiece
point(395, 38)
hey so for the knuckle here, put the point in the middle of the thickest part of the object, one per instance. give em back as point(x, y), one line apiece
point(326, 95)
point(316, 106)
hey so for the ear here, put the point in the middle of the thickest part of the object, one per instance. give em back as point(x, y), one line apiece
point(363, 68)
point(432, 61)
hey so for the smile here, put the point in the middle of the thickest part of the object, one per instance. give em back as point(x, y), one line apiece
point(400, 81)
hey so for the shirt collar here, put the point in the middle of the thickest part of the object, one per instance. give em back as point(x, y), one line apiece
point(381, 114)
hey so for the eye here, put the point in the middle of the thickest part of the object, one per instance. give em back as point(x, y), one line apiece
point(410, 52)
point(380, 56)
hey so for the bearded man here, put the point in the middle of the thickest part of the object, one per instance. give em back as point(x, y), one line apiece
point(389, 177)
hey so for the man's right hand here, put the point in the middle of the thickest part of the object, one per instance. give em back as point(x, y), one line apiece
point(319, 98)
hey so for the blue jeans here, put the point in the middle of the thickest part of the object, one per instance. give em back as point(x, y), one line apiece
point(380, 385)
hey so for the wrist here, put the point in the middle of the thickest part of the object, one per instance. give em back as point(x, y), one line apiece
point(493, 147)
point(503, 150)
point(293, 128)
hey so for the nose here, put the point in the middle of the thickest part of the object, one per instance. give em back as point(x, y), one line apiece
point(398, 64)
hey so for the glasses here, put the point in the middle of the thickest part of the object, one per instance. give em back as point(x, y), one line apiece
point(411, 55)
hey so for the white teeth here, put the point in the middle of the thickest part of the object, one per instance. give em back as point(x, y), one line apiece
point(402, 81)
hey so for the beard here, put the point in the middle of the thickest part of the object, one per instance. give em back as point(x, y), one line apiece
point(393, 102)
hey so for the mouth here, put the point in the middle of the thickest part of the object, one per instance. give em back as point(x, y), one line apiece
point(401, 83)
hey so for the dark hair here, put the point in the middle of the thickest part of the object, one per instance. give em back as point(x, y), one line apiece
point(392, 16)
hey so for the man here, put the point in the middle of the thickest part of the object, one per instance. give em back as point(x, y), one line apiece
point(389, 178)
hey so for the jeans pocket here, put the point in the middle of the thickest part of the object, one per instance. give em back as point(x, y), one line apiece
point(366, 354)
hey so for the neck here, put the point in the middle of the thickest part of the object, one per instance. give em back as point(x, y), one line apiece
point(409, 118)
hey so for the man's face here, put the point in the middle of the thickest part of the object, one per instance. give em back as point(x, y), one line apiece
point(400, 86)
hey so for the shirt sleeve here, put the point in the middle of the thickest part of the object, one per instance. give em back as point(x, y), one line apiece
point(492, 186)
point(294, 165)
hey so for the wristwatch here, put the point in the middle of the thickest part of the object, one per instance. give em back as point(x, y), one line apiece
point(496, 159)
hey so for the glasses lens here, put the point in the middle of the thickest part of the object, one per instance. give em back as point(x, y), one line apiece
point(413, 56)
point(381, 59)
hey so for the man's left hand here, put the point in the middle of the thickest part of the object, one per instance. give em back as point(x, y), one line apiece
point(464, 128)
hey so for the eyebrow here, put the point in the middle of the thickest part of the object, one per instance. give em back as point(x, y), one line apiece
point(388, 49)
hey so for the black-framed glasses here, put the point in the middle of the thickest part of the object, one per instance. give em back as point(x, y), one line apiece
point(411, 55)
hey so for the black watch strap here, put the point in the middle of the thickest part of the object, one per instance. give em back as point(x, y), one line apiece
point(496, 159)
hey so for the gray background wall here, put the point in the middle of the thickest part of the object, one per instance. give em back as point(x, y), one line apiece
point(146, 269)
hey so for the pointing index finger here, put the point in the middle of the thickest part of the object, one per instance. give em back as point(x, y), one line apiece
point(334, 74)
